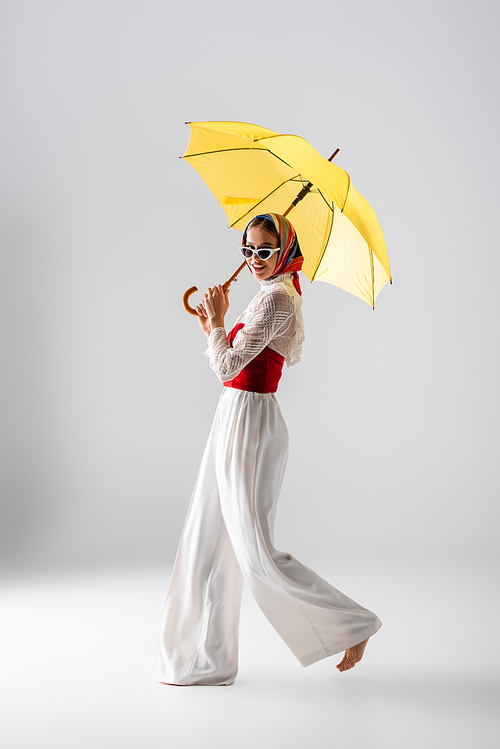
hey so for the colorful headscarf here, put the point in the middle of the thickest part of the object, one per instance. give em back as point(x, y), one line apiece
point(290, 257)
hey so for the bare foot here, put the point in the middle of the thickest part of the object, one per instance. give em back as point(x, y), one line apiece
point(352, 656)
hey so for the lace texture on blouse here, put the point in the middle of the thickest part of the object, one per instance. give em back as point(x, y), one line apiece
point(273, 318)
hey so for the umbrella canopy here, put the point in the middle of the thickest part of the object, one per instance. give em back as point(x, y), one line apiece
point(253, 170)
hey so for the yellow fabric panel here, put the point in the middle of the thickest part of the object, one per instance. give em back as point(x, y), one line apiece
point(362, 215)
point(243, 129)
point(312, 219)
point(292, 149)
point(206, 140)
point(228, 200)
point(313, 167)
point(381, 277)
point(346, 262)
point(234, 176)
point(333, 181)
point(277, 202)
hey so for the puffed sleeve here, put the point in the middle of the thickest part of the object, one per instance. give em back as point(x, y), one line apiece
point(273, 315)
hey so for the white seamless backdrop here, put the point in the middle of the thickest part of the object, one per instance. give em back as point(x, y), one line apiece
point(392, 486)
point(393, 414)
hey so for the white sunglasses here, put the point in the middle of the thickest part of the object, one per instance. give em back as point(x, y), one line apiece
point(263, 254)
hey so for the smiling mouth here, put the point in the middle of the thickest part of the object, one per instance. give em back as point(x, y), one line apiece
point(258, 267)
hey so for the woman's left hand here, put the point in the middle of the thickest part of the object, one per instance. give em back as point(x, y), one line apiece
point(216, 303)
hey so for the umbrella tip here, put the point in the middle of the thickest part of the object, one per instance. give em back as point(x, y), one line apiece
point(390, 281)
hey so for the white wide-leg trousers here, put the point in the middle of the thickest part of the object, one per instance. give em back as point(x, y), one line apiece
point(228, 537)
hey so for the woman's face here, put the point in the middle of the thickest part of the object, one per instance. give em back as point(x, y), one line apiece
point(259, 238)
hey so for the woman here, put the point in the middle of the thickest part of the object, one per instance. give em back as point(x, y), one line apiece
point(228, 533)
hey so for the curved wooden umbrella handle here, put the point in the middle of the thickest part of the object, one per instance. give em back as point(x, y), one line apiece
point(185, 300)
point(225, 287)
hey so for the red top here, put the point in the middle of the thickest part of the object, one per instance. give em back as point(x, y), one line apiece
point(262, 374)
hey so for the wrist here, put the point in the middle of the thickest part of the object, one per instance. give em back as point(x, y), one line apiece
point(216, 322)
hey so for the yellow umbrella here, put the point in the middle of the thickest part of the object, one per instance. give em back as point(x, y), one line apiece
point(253, 170)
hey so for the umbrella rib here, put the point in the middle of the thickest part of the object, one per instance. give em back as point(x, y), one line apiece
point(228, 150)
point(346, 192)
point(373, 278)
point(278, 135)
point(326, 201)
point(328, 238)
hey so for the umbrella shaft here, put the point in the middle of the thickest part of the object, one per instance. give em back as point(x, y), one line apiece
point(233, 277)
point(302, 194)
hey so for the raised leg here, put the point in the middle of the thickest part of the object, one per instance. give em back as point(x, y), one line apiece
point(313, 618)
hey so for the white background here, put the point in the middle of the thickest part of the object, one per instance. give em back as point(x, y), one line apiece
point(107, 398)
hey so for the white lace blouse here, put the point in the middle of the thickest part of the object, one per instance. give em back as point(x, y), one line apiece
point(273, 318)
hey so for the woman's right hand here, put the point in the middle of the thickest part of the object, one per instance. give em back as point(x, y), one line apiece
point(216, 303)
point(203, 319)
